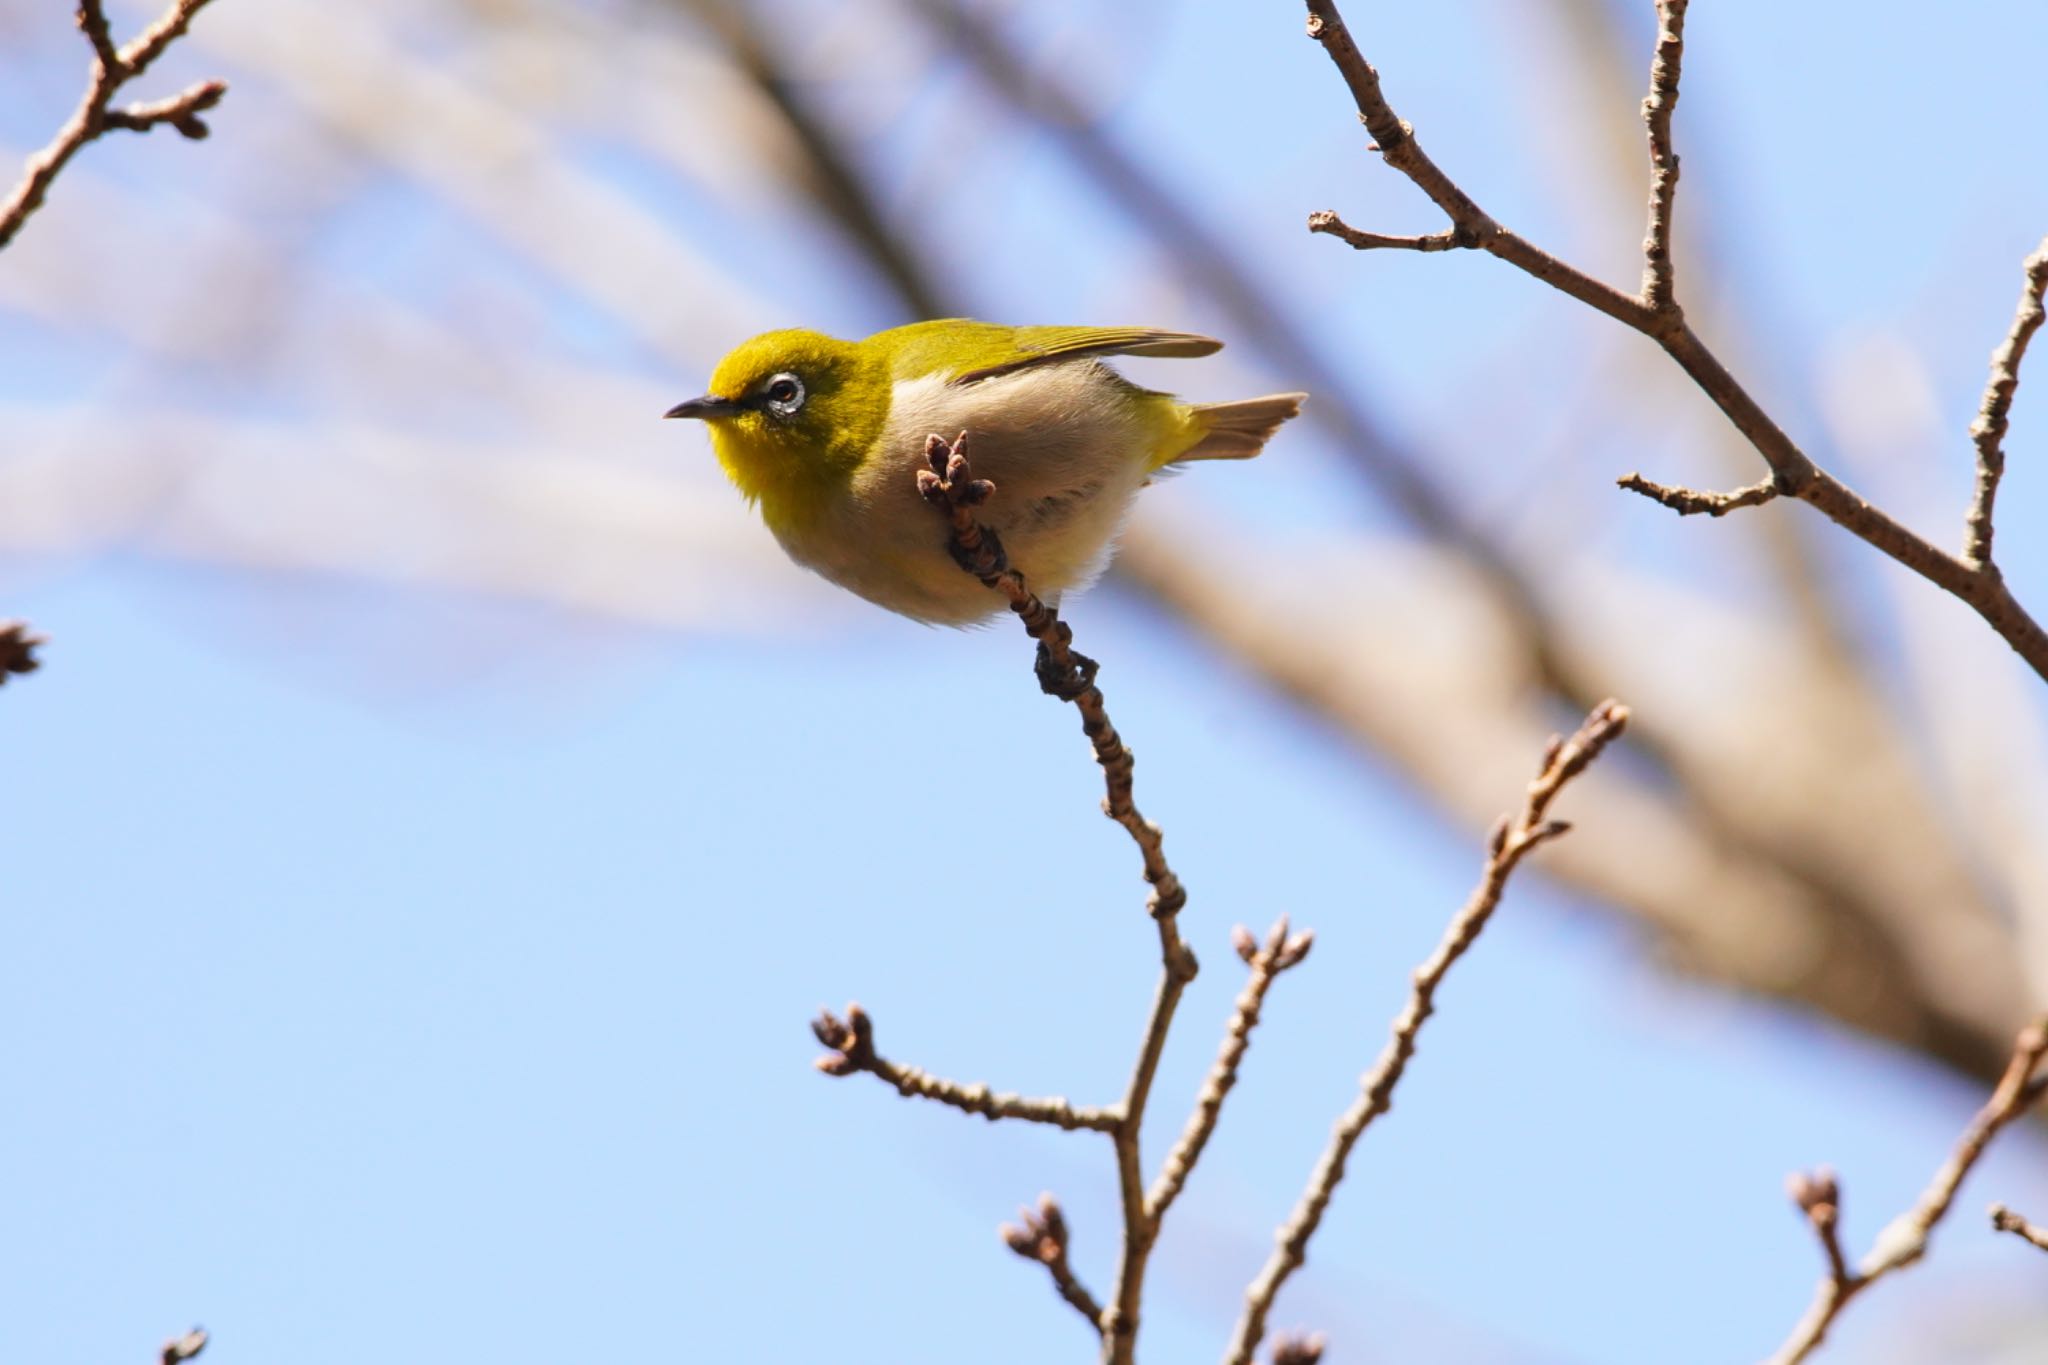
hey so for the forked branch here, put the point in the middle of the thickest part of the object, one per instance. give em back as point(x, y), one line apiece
point(1904, 1240)
point(1656, 313)
point(1513, 839)
point(950, 485)
point(112, 68)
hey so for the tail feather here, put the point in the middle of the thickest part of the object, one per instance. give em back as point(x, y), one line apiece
point(1240, 430)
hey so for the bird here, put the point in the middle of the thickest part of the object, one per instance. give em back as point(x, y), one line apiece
point(825, 437)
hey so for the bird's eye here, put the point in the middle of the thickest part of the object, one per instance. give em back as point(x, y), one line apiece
point(784, 394)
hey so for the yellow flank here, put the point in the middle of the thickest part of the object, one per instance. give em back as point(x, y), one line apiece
point(825, 436)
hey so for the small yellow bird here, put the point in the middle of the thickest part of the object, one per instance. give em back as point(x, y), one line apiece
point(827, 436)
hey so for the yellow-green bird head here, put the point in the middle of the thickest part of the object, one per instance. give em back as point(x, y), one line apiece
point(826, 437)
point(792, 415)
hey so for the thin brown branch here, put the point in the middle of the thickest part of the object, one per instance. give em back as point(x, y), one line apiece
point(852, 1041)
point(1994, 414)
point(1511, 841)
point(112, 68)
point(1687, 501)
point(2005, 1220)
point(1041, 1236)
point(1327, 222)
point(1267, 960)
point(180, 1349)
point(17, 649)
point(180, 111)
point(1819, 1196)
point(1063, 672)
point(1658, 106)
point(1904, 1240)
point(1794, 473)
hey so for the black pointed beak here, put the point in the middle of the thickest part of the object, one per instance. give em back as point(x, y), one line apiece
point(704, 408)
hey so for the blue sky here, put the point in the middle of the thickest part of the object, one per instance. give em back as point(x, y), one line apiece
point(402, 971)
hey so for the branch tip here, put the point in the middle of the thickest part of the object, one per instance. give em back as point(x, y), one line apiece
point(2005, 1220)
point(1509, 841)
point(1689, 501)
point(1994, 413)
point(1326, 222)
point(180, 1349)
point(1041, 1235)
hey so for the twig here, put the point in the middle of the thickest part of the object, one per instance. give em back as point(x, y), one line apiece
point(1063, 672)
point(1658, 106)
point(180, 1349)
point(1819, 1196)
point(1266, 960)
point(1687, 501)
point(1511, 841)
point(1326, 221)
point(852, 1041)
point(1904, 1240)
point(1042, 1237)
point(1995, 412)
point(112, 68)
point(17, 650)
point(2005, 1220)
point(1663, 321)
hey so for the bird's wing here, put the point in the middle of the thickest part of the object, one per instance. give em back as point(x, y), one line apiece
point(975, 351)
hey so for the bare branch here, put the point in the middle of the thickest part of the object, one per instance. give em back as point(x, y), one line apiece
point(1819, 1197)
point(151, 42)
point(1511, 840)
point(1042, 1237)
point(1266, 960)
point(2005, 1220)
point(1904, 1240)
point(1326, 221)
point(1658, 107)
point(180, 1349)
point(1793, 471)
point(111, 69)
point(92, 22)
point(181, 111)
point(1395, 140)
point(1687, 501)
point(852, 1041)
point(1995, 412)
point(1063, 672)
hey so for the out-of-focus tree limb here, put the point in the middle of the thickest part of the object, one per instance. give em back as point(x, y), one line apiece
point(830, 174)
point(1815, 924)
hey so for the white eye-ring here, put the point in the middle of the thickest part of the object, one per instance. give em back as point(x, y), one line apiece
point(783, 394)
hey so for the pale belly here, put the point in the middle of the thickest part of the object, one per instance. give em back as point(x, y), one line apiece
point(1066, 448)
